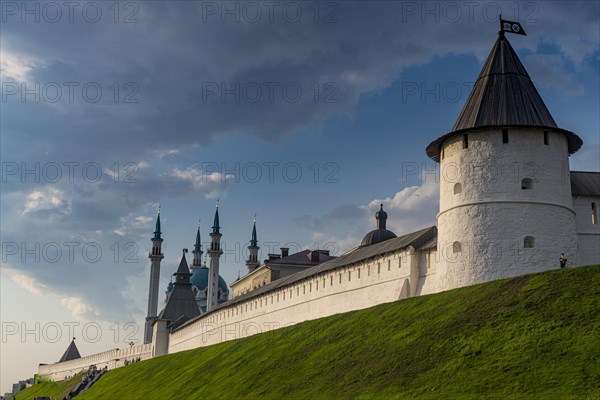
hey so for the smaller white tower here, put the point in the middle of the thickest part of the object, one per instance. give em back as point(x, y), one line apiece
point(252, 261)
point(213, 273)
point(155, 257)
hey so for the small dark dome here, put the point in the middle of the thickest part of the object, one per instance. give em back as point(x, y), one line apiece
point(377, 236)
point(380, 234)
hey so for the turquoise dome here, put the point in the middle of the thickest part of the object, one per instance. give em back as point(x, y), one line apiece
point(199, 279)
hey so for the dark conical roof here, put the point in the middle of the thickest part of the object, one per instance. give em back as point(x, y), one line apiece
point(72, 353)
point(181, 305)
point(503, 96)
point(157, 231)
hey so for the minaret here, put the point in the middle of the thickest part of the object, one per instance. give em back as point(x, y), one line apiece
point(252, 262)
point(213, 273)
point(505, 193)
point(155, 257)
point(197, 261)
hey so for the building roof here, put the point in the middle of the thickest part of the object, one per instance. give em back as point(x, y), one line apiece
point(199, 279)
point(377, 236)
point(503, 96)
point(301, 258)
point(72, 353)
point(181, 305)
point(585, 183)
point(380, 234)
point(416, 239)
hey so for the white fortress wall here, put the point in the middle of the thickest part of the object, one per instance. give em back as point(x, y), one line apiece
point(111, 359)
point(357, 286)
point(428, 265)
point(588, 232)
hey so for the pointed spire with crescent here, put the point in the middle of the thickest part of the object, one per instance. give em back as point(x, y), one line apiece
point(157, 232)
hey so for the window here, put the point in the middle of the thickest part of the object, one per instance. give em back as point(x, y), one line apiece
point(456, 247)
point(526, 184)
point(465, 141)
point(594, 214)
point(504, 135)
point(546, 138)
point(529, 242)
point(442, 153)
point(457, 188)
point(331, 282)
point(359, 273)
point(378, 268)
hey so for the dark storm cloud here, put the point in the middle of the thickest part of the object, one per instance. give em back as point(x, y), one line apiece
point(178, 58)
point(167, 66)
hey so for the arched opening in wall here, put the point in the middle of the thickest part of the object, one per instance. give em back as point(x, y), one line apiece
point(527, 184)
point(465, 141)
point(456, 247)
point(504, 135)
point(529, 242)
point(546, 139)
point(457, 188)
point(594, 214)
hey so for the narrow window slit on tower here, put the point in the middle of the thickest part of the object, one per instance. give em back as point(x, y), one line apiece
point(465, 141)
point(594, 214)
point(504, 135)
point(456, 247)
point(529, 242)
point(546, 138)
point(457, 188)
point(526, 184)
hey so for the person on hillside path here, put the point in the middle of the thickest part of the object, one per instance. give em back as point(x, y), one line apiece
point(563, 260)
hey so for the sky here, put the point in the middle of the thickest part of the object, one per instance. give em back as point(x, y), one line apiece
point(306, 114)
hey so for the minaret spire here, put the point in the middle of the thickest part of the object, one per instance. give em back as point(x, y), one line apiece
point(155, 257)
point(157, 232)
point(197, 252)
point(216, 227)
point(252, 262)
point(213, 274)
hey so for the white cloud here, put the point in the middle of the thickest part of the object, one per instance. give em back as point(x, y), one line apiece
point(49, 199)
point(210, 184)
point(76, 306)
point(26, 281)
point(18, 66)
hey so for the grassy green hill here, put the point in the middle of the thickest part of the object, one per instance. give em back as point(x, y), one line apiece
point(530, 337)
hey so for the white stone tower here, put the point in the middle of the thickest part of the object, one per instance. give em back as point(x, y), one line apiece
point(213, 274)
point(155, 257)
point(505, 192)
point(197, 252)
point(252, 261)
